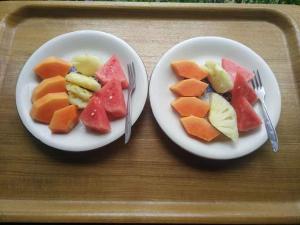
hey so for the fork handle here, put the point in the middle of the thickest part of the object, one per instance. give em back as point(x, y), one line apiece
point(128, 118)
point(269, 127)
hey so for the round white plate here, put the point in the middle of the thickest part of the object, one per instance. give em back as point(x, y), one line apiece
point(66, 46)
point(201, 49)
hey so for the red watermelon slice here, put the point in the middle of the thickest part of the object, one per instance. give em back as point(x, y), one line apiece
point(94, 116)
point(234, 68)
point(112, 69)
point(242, 88)
point(247, 119)
point(112, 98)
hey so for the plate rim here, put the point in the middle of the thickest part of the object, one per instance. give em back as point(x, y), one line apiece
point(95, 146)
point(178, 44)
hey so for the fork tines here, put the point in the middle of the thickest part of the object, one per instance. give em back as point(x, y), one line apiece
point(131, 74)
point(256, 81)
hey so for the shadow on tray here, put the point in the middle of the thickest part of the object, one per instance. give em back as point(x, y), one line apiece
point(111, 150)
point(91, 156)
point(198, 162)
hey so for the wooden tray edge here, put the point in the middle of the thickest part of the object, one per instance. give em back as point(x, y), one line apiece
point(149, 212)
point(152, 212)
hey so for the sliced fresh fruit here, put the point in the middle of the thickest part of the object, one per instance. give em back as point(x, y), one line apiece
point(43, 108)
point(219, 79)
point(64, 119)
point(243, 88)
point(222, 116)
point(94, 116)
point(49, 85)
point(86, 64)
point(188, 69)
point(78, 91)
point(247, 119)
point(75, 100)
point(112, 98)
point(234, 68)
point(189, 87)
point(199, 127)
point(112, 69)
point(51, 67)
point(83, 81)
point(187, 106)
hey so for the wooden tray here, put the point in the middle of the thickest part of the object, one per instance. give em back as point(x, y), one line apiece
point(151, 179)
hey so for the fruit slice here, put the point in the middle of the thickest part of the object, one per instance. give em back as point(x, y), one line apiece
point(49, 85)
point(188, 69)
point(112, 98)
point(189, 87)
point(243, 88)
point(94, 116)
point(43, 108)
point(86, 64)
point(247, 119)
point(187, 106)
point(51, 67)
point(112, 69)
point(64, 119)
point(78, 91)
point(199, 127)
point(222, 116)
point(234, 68)
point(75, 100)
point(83, 81)
point(219, 79)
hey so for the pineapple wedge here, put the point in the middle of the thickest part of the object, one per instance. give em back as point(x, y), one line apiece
point(86, 64)
point(222, 116)
point(74, 100)
point(83, 81)
point(220, 80)
point(80, 92)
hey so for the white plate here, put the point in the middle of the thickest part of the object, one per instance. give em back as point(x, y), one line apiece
point(66, 46)
point(201, 49)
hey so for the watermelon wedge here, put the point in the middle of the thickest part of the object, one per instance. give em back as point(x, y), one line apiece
point(94, 116)
point(112, 69)
point(242, 88)
point(234, 68)
point(247, 119)
point(112, 98)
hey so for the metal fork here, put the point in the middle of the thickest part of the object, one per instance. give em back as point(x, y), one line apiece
point(128, 123)
point(260, 92)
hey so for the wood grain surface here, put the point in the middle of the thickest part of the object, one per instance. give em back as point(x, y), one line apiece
point(151, 179)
